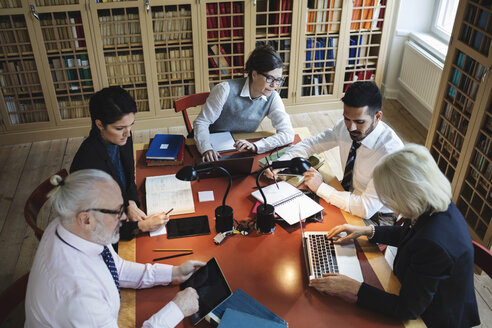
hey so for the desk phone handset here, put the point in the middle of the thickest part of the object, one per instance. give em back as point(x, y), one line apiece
point(221, 236)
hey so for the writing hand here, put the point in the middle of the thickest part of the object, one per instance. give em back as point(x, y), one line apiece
point(153, 222)
point(272, 174)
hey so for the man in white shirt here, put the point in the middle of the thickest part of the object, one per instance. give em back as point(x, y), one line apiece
point(76, 275)
point(373, 139)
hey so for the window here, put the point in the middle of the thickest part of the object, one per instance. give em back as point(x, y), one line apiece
point(444, 16)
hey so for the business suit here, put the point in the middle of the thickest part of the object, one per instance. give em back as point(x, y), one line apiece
point(93, 154)
point(434, 264)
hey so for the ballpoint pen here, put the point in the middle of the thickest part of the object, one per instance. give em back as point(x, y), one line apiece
point(171, 256)
point(172, 250)
point(169, 211)
point(274, 177)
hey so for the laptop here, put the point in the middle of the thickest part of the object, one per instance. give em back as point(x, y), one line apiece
point(236, 164)
point(323, 256)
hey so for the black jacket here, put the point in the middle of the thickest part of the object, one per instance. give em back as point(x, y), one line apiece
point(434, 264)
point(92, 154)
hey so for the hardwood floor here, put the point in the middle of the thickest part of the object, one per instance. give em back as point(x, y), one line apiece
point(24, 166)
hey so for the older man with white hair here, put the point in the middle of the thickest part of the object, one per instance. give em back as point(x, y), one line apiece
point(76, 276)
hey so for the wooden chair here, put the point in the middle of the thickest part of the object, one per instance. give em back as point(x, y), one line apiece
point(13, 296)
point(483, 258)
point(183, 103)
point(37, 199)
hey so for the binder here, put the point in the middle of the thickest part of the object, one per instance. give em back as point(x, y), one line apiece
point(165, 146)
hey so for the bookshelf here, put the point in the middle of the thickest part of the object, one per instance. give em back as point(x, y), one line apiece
point(57, 53)
point(461, 129)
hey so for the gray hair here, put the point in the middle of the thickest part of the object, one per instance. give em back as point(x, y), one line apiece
point(77, 192)
point(410, 182)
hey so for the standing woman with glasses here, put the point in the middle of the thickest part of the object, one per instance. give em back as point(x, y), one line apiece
point(240, 105)
point(109, 148)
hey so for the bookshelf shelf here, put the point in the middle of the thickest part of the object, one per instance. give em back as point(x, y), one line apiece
point(460, 136)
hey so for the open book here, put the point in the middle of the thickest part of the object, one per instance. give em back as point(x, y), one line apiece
point(165, 192)
point(288, 201)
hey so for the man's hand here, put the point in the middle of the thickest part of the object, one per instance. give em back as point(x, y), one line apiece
point(335, 284)
point(313, 179)
point(352, 231)
point(272, 174)
point(153, 222)
point(184, 271)
point(245, 145)
point(187, 301)
point(134, 213)
point(210, 156)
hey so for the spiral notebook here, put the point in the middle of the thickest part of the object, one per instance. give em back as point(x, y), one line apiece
point(287, 200)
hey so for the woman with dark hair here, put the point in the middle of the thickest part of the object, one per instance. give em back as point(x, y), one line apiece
point(109, 148)
point(240, 105)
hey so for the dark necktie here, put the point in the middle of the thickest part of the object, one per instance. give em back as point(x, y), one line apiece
point(349, 167)
point(108, 259)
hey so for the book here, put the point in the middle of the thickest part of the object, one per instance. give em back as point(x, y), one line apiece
point(243, 302)
point(165, 147)
point(165, 192)
point(238, 319)
point(222, 141)
point(178, 161)
point(288, 202)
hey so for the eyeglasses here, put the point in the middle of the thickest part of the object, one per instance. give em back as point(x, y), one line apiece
point(119, 212)
point(270, 79)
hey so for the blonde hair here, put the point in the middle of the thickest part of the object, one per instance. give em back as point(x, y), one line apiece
point(410, 183)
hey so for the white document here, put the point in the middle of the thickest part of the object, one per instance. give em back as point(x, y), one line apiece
point(222, 142)
point(166, 192)
point(206, 196)
point(288, 201)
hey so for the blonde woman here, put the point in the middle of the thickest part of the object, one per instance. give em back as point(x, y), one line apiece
point(434, 262)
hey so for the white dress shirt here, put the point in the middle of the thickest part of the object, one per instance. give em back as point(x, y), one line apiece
point(71, 286)
point(212, 109)
point(363, 201)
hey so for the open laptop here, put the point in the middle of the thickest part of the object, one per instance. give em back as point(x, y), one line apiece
point(323, 256)
point(235, 164)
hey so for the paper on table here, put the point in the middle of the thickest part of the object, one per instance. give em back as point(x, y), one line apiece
point(222, 142)
point(165, 192)
point(206, 196)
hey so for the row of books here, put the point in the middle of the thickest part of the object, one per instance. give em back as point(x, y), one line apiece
point(56, 2)
point(20, 112)
point(219, 22)
point(324, 55)
point(63, 33)
point(226, 58)
point(357, 75)
point(324, 16)
point(367, 14)
point(62, 71)
point(73, 107)
point(317, 84)
point(175, 64)
point(172, 24)
point(120, 29)
point(481, 160)
point(282, 18)
point(474, 32)
point(19, 76)
point(167, 94)
point(125, 68)
point(13, 33)
point(282, 45)
point(10, 4)
point(166, 149)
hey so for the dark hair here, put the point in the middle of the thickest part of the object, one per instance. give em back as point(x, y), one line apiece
point(364, 93)
point(110, 105)
point(263, 59)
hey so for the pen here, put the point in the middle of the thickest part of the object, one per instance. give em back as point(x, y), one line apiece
point(274, 177)
point(169, 211)
point(173, 250)
point(170, 257)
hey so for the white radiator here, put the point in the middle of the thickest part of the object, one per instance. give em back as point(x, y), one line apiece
point(420, 74)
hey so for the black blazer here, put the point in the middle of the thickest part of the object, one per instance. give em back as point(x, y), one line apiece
point(434, 264)
point(92, 154)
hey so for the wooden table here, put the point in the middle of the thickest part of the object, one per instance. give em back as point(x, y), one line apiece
point(269, 267)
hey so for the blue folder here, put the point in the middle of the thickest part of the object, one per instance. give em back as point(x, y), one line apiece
point(238, 319)
point(165, 147)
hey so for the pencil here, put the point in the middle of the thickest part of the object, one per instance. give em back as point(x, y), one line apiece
point(274, 177)
point(173, 250)
point(171, 256)
point(169, 211)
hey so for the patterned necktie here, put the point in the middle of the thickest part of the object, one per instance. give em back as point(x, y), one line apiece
point(349, 167)
point(108, 259)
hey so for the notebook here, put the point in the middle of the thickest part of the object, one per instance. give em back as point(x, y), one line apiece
point(235, 164)
point(323, 256)
point(286, 200)
point(165, 147)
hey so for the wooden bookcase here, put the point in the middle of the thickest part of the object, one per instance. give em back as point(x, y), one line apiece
point(460, 135)
point(54, 54)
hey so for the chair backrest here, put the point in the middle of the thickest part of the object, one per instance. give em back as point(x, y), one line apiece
point(183, 103)
point(12, 296)
point(483, 258)
point(37, 199)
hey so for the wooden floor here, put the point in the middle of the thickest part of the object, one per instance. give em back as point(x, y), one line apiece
point(24, 166)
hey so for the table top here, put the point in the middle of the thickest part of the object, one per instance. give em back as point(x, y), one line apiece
point(269, 267)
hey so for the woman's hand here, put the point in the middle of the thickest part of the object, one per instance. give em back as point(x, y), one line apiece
point(184, 271)
point(134, 213)
point(313, 179)
point(352, 231)
point(245, 145)
point(210, 156)
point(153, 222)
point(335, 284)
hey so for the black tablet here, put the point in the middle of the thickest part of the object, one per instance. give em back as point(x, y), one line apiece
point(211, 286)
point(186, 227)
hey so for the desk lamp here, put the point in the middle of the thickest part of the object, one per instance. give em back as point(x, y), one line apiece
point(265, 212)
point(224, 213)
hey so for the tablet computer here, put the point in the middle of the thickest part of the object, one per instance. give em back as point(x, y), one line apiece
point(186, 227)
point(211, 286)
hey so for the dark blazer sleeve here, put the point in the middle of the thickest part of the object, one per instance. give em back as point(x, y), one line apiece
point(388, 235)
point(428, 264)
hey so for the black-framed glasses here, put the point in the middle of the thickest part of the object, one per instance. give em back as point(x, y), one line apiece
point(271, 79)
point(119, 212)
